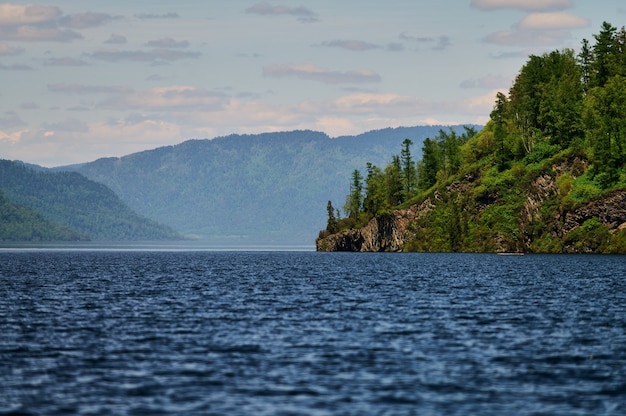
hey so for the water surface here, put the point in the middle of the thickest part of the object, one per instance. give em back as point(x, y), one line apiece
point(305, 333)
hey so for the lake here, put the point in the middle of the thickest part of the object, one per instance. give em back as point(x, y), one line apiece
point(131, 332)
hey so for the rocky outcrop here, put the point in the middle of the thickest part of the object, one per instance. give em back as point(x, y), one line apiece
point(384, 233)
point(610, 210)
point(393, 231)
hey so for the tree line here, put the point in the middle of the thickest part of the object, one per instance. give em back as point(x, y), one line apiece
point(559, 102)
point(383, 189)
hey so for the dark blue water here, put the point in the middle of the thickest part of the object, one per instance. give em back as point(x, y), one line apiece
point(304, 333)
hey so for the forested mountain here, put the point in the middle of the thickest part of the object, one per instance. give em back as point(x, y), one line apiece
point(268, 189)
point(44, 206)
point(546, 174)
point(19, 223)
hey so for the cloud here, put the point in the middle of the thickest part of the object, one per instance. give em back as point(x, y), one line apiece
point(116, 40)
point(351, 45)
point(69, 125)
point(32, 33)
point(437, 43)
point(528, 37)
point(14, 138)
point(314, 73)
point(303, 14)
point(395, 47)
point(156, 55)
point(31, 105)
point(85, 20)
point(167, 43)
point(442, 43)
point(552, 21)
point(66, 61)
point(15, 67)
point(73, 141)
point(526, 5)
point(45, 23)
point(170, 15)
point(171, 98)
point(17, 15)
point(6, 50)
point(89, 89)
point(539, 29)
point(11, 120)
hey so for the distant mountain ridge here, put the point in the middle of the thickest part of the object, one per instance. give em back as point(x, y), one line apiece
point(269, 188)
point(40, 205)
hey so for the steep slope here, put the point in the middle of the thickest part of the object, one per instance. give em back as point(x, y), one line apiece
point(527, 210)
point(546, 174)
point(19, 223)
point(74, 202)
point(267, 188)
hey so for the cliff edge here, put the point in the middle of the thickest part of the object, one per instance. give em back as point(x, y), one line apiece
point(526, 215)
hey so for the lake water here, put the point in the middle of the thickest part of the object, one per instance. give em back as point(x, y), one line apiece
point(96, 332)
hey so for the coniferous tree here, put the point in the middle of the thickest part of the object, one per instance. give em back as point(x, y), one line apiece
point(331, 226)
point(584, 61)
point(354, 200)
point(375, 200)
point(408, 169)
point(393, 181)
point(499, 129)
point(430, 163)
point(603, 55)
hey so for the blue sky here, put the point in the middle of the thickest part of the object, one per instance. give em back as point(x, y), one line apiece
point(87, 79)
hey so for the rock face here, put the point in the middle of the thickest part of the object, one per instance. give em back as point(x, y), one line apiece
point(385, 233)
point(610, 210)
point(392, 232)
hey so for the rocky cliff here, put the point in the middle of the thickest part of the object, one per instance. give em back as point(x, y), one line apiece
point(544, 223)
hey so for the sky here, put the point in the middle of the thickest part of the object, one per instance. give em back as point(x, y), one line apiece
point(84, 79)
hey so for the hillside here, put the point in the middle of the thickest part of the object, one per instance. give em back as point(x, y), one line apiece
point(246, 189)
point(37, 205)
point(547, 174)
point(19, 223)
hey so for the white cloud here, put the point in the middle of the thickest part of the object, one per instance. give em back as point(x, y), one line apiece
point(173, 98)
point(552, 21)
point(16, 14)
point(528, 37)
point(37, 23)
point(527, 5)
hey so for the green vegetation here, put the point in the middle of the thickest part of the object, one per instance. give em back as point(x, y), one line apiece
point(19, 223)
point(37, 205)
point(247, 189)
point(556, 142)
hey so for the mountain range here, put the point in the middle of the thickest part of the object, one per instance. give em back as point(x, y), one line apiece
point(270, 188)
point(39, 205)
point(265, 189)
